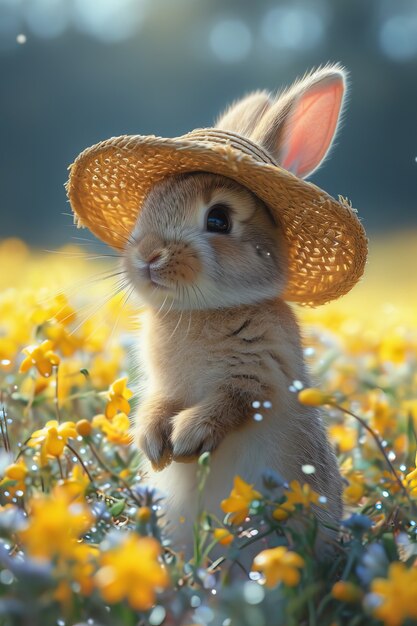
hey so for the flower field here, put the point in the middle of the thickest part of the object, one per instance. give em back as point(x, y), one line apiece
point(81, 533)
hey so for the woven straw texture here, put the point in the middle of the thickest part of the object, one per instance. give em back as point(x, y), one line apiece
point(326, 241)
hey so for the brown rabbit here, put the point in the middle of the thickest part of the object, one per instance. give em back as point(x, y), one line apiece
point(211, 264)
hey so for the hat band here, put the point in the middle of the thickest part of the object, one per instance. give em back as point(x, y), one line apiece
point(227, 138)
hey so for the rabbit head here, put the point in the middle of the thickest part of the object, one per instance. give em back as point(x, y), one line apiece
point(203, 241)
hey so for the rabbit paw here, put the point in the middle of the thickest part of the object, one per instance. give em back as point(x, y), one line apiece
point(154, 440)
point(192, 435)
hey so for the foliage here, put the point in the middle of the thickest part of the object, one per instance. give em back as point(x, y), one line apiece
point(81, 536)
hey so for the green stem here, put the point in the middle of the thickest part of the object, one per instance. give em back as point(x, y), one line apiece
point(60, 467)
point(110, 471)
point(23, 448)
point(85, 394)
point(248, 543)
point(85, 468)
point(324, 603)
point(380, 446)
point(56, 400)
point(5, 434)
point(311, 613)
point(349, 563)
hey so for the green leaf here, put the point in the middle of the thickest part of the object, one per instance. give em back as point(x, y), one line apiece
point(118, 508)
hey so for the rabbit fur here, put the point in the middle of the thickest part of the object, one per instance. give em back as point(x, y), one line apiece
point(215, 335)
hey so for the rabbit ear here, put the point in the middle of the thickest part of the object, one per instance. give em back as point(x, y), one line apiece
point(243, 115)
point(300, 126)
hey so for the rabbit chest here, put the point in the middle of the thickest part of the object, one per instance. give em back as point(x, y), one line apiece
point(261, 352)
point(189, 354)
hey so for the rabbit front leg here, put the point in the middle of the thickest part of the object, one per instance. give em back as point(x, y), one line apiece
point(202, 427)
point(153, 429)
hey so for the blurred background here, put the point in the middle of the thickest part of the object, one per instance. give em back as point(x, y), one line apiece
point(74, 72)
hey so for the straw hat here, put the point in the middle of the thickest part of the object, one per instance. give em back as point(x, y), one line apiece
point(326, 242)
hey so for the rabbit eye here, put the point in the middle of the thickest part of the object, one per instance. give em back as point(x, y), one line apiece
point(218, 220)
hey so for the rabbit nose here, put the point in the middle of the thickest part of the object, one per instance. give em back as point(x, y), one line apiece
point(154, 257)
point(151, 249)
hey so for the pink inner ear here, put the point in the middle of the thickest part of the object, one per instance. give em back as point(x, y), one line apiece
point(310, 127)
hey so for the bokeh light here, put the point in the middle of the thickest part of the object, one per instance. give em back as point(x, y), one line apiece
point(78, 71)
point(109, 20)
point(47, 18)
point(230, 40)
point(398, 36)
point(294, 26)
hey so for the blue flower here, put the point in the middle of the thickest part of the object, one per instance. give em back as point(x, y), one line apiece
point(374, 564)
point(358, 522)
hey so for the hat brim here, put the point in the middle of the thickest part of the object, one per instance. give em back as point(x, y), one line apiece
point(327, 245)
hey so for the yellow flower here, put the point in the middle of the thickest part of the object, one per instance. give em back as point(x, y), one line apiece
point(61, 310)
point(119, 395)
point(313, 397)
point(301, 494)
point(397, 594)
point(282, 512)
point(56, 307)
point(83, 428)
point(79, 567)
point(62, 339)
point(223, 536)
point(55, 524)
point(394, 346)
point(41, 357)
point(53, 438)
point(132, 571)
point(279, 565)
point(346, 591)
point(63, 594)
point(410, 408)
point(76, 484)
point(355, 491)
point(143, 514)
point(400, 444)
point(239, 501)
point(411, 481)
point(104, 370)
point(8, 349)
point(16, 472)
point(69, 378)
point(345, 437)
point(94, 335)
point(117, 430)
point(32, 387)
point(382, 416)
point(82, 566)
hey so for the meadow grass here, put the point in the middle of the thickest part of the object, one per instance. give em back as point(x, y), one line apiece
point(81, 538)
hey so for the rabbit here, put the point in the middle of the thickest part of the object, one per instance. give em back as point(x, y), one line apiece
point(211, 264)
